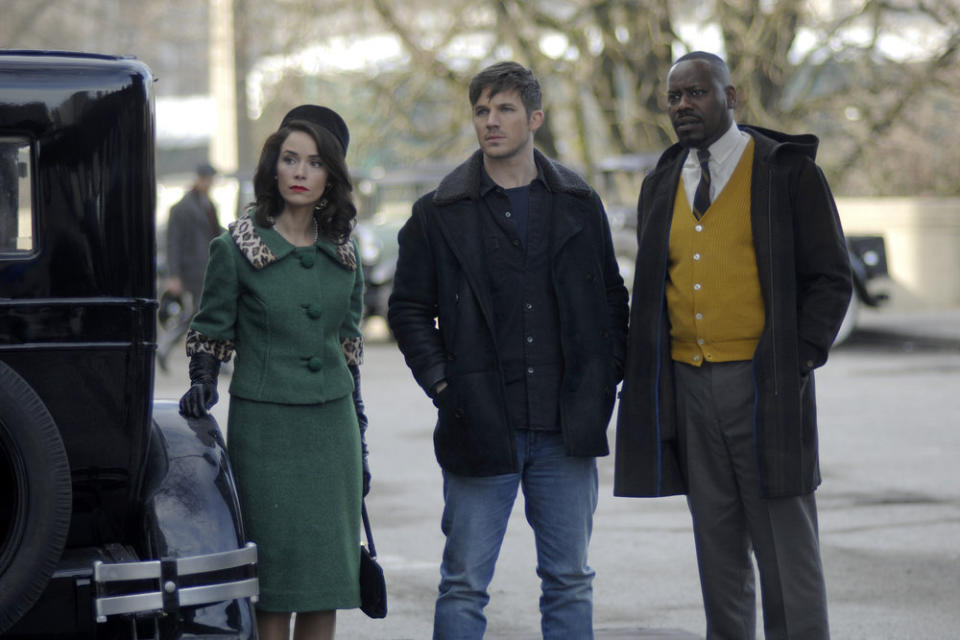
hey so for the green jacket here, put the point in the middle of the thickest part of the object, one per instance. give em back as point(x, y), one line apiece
point(291, 314)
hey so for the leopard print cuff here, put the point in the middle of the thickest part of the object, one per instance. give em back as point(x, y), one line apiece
point(352, 350)
point(222, 350)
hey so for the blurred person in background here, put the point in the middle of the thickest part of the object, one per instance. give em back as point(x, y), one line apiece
point(192, 224)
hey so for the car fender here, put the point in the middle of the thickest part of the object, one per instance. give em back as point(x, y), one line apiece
point(191, 509)
point(190, 497)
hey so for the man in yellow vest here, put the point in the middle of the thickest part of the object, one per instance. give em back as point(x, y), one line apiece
point(742, 281)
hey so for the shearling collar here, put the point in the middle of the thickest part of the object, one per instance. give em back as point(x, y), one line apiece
point(464, 181)
point(262, 247)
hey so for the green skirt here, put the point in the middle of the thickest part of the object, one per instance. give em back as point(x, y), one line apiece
point(299, 480)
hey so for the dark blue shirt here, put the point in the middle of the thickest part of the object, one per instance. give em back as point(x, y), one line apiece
point(520, 208)
point(526, 318)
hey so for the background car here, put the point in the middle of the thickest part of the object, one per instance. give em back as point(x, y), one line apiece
point(118, 517)
point(385, 201)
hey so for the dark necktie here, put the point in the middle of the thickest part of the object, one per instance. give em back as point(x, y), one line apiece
point(701, 199)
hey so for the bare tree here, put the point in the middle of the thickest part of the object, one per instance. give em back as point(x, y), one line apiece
point(831, 68)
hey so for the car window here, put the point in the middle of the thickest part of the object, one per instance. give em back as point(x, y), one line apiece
point(16, 199)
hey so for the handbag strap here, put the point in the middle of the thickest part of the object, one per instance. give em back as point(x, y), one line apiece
point(366, 529)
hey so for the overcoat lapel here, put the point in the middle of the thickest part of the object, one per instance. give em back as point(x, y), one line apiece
point(659, 224)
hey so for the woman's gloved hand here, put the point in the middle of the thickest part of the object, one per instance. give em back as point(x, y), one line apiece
point(202, 394)
point(362, 421)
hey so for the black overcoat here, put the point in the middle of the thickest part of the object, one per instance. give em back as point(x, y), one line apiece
point(440, 312)
point(188, 240)
point(804, 273)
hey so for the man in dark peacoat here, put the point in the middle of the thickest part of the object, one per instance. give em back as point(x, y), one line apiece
point(461, 307)
point(765, 468)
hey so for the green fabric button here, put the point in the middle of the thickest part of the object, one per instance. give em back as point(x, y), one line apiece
point(307, 260)
point(314, 311)
point(314, 364)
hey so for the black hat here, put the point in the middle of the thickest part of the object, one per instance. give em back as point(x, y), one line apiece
point(205, 170)
point(322, 117)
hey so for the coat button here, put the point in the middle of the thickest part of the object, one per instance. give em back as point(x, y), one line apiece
point(314, 311)
point(315, 364)
point(307, 260)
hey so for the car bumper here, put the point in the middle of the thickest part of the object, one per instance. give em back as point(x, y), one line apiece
point(163, 586)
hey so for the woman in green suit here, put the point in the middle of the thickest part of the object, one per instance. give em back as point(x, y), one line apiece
point(283, 291)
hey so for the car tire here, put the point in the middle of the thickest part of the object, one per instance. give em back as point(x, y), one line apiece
point(35, 497)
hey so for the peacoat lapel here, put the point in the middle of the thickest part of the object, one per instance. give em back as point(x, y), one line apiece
point(566, 220)
point(460, 225)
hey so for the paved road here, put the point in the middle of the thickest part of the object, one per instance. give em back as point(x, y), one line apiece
point(889, 505)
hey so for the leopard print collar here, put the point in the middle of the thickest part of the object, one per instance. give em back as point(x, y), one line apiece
point(251, 244)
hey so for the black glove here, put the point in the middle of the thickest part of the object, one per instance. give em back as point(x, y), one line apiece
point(362, 421)
point(202, 394)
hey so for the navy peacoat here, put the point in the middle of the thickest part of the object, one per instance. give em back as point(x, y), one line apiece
point(440, 313)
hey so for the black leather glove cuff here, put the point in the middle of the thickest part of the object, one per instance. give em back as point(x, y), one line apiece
point(362, 422)
point(204, 368)
point(202, 394)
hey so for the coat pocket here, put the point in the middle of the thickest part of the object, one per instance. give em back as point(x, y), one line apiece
point(472, 436)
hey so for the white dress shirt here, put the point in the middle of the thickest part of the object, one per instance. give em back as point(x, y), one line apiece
point(724, 155)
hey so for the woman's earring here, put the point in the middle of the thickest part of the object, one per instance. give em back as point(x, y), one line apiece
point(321, 205)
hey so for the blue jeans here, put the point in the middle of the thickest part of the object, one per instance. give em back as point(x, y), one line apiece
point(560, 494)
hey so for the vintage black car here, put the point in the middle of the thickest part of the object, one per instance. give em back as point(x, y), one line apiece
point(118, 517)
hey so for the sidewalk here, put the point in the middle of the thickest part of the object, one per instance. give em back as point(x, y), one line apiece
point(618, 634)
point(925, 327)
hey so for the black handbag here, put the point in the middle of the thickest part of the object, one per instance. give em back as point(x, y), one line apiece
point(373, 587)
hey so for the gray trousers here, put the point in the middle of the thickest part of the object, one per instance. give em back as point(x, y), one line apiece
point(715, 404)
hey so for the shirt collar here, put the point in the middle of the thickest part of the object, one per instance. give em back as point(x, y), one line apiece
point(487, 184)
point(720, 150)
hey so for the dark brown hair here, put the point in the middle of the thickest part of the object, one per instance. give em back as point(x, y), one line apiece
point(506, 76)
point(337, 219)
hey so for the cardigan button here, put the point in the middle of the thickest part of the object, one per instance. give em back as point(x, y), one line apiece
point(315, 364)
point(314, 311)
point(307, 260)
